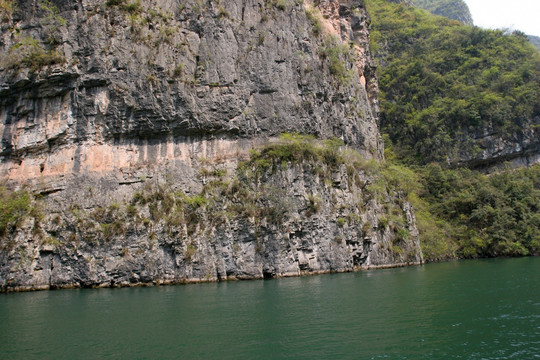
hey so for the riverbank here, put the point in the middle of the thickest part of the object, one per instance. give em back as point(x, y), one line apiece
point(14, 289)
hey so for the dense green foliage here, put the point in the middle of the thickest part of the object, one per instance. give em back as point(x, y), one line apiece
point(443, 83)
point(452, 9)
point(467, 214)
point(496, 215)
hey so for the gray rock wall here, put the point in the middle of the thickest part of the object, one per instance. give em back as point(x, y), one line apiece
point(296, 219)
point(102, 101)
point(166, 70)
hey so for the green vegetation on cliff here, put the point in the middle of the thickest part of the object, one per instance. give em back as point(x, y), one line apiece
point(254, 194)
point(460, 213)
point(444, 85)
point(27, 51)
point(14, 207)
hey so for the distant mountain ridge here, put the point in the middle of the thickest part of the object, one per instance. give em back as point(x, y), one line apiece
point(455, 10)
point(535, 40)
point(452, 9)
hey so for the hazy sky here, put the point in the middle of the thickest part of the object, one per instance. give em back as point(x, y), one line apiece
point(521, 15)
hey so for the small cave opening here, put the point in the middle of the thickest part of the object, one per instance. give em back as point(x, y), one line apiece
point(268, 274)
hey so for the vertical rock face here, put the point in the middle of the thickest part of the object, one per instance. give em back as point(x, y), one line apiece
point(100, 100)
point(161, 71)
point(269, 219)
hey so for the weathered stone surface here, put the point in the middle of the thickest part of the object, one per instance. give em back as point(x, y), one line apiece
point(489, 150)
point(151, 94)
point(242, 69)
point(347, 230)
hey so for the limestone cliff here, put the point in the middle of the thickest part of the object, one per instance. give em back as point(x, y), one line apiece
point(131, 74)
point(102, 102)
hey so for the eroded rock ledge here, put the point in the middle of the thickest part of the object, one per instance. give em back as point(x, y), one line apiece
point(294, 207)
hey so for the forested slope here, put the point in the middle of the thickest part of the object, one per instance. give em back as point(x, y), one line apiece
point(456, 99)
point(453, 93)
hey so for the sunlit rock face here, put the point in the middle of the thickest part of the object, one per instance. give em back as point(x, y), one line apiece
point(120, 78)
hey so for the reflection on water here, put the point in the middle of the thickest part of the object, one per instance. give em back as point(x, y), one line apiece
point(485, 309)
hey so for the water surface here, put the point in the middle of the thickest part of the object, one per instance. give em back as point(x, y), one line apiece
point(483, 309)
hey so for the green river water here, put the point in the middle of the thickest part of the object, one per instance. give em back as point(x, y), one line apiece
point(482, 309)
